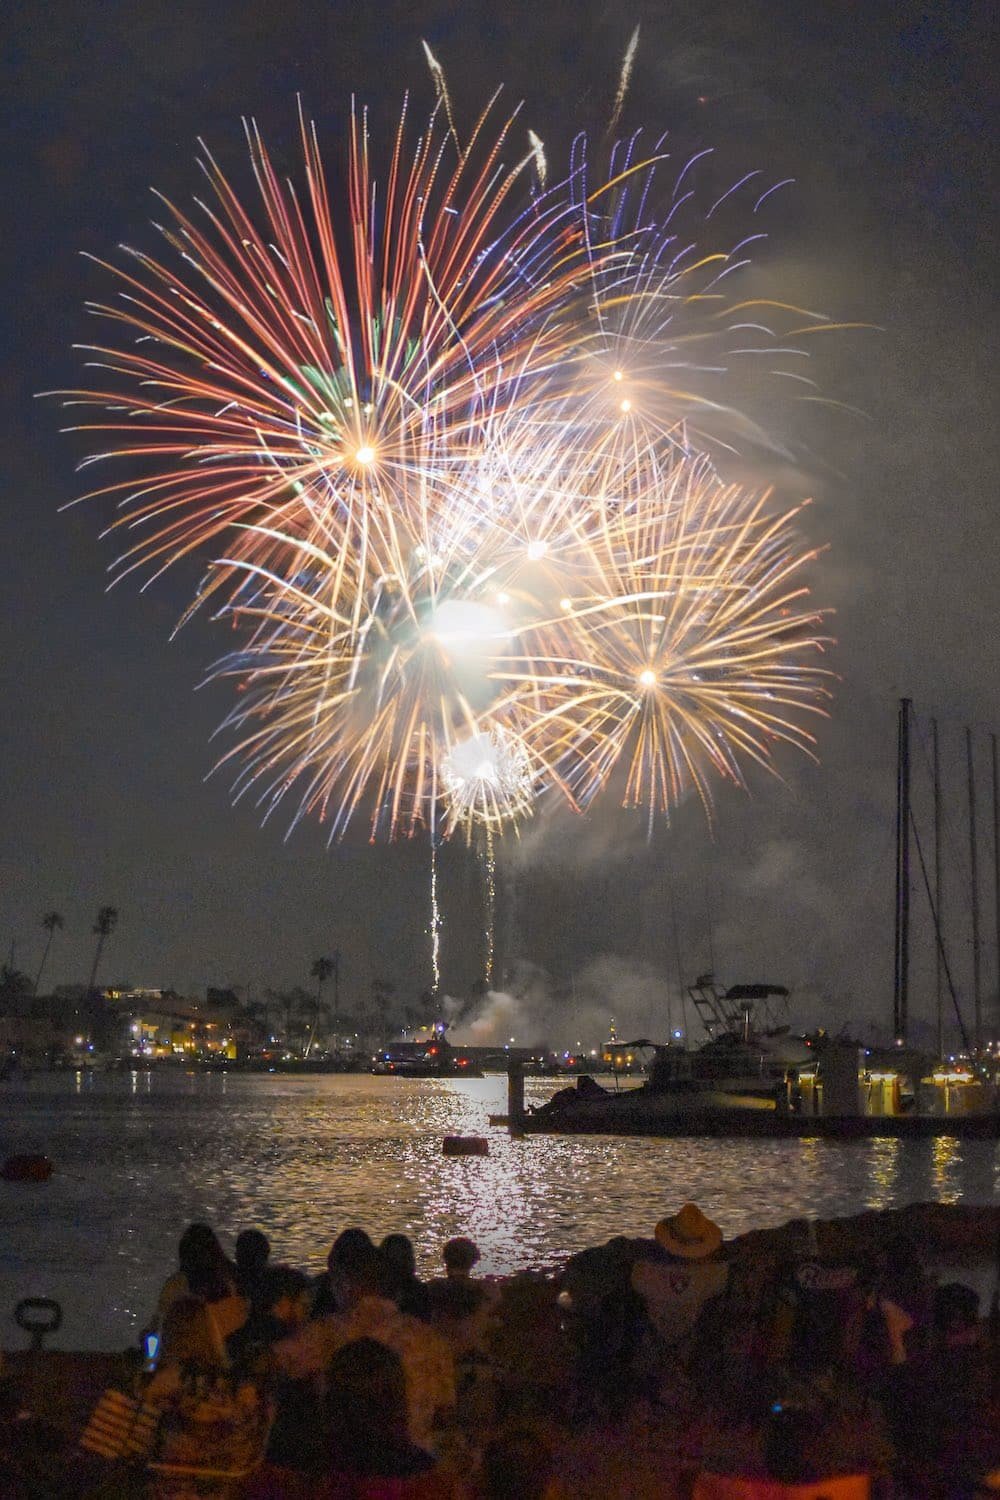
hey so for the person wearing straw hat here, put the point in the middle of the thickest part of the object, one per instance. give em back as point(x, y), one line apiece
point(677, 1286)
point(689, 1234)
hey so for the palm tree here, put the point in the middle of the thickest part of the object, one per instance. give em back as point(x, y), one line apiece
point(107, 921)
point(321, 970)
point(335, 960)
point(382, 992)
point(14, 985)
point(50, 921)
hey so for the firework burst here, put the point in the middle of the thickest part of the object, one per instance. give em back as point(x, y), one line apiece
point(488, 779)
point(443, 446)
point(688, 649)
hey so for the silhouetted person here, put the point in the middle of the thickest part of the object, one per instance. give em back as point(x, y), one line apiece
point(190, 1349)
point(253, 1249)
point(460, 1255)
point(204, 1271)
point(346, 1249)
point(284, 1297)
point(401, 1280)
point(947, 1417)
point(458, 1304)
point(370, 1313)
point(366, 1418)
point(282, 1304)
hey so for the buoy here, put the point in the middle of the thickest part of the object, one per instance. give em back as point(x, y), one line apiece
point(25, 1168)
point(465, 1145)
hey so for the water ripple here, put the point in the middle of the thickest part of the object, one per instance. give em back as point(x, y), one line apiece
point(138, 1156)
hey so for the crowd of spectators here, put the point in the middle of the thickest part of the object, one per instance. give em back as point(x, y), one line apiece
point(370, 1383)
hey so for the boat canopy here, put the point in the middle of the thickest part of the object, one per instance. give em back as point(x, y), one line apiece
point(754, 991)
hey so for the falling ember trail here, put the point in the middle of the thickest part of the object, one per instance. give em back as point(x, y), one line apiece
point(624, 78)
point(489, 930)
point(435, 922)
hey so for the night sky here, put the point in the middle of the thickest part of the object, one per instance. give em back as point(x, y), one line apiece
point(881, 114)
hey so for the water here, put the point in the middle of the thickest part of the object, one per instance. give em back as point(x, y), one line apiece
point(140, 1155)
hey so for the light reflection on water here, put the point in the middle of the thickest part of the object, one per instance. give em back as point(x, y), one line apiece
point(140, 1155)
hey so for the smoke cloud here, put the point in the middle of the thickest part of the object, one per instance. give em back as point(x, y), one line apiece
point(534, 1012)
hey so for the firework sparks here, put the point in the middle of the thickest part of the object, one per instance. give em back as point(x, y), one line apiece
point(690, 648)
point(279, 379)
point(449, 470)
point(487, 778)
point(435, 923)
point(624, 79)
point(489, 925)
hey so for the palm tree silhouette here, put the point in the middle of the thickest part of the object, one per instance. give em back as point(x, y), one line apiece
point(321, 970)
point(335, 960)
point(50, 921)
point(382, 992)
point(107, 921)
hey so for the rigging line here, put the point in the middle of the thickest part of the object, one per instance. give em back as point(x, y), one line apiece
point(977, 725)
point(889, 834)
point(940, 940)
point(677, 955)
point(951, 835)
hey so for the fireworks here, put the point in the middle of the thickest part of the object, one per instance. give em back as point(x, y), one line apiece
point(443, 448)
point(685, 652)
point(488, 779)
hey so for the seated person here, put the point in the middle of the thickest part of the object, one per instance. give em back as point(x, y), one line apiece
point(406, 1289)
point(460, 1307)
point(284, 1299)
point(191, 1349)
point(946, 1416)
point(676, 1288)
point(203, 1271)
point(207, 1411)
point(366, 1421)
point(281, 1305)
point(329, 1291)
point(253, 1249)
point(370, 1313)
point(457, 1291)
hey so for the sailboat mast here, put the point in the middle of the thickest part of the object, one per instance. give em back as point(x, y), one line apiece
point(996, 875)
point(977, 958)
point(902, 965)
point(938, 916)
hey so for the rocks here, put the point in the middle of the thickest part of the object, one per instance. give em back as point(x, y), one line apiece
point(942, 1232)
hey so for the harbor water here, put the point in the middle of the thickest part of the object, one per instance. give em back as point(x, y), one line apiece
point(139, 1155)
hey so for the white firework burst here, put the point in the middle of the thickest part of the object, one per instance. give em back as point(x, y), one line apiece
point(488, 778)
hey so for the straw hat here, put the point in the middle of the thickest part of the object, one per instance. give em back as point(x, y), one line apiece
point(688, 1234)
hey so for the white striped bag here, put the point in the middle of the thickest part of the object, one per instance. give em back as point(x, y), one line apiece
point(121, 1427)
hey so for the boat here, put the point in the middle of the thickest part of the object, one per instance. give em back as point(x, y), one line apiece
point(744, 1067)
point(436, 1059)
point(753, 1078)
